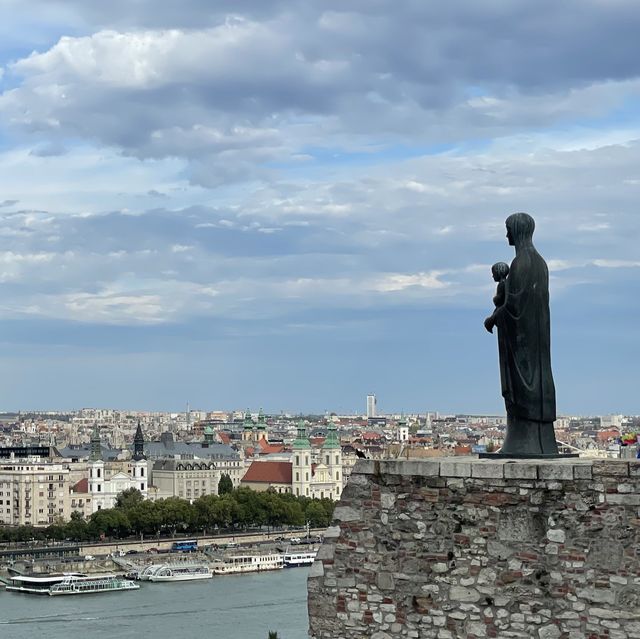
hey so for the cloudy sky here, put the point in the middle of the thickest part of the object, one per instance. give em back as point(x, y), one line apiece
point(293, 204)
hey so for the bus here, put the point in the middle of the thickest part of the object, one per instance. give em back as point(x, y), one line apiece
point(190, 545)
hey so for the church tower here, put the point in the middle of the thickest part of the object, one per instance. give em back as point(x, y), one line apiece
point(332, 458)
point(301, 467)
point(139, 468)
point(261, 428)
point(247, 427)
point(96, 469)
point(96, 444)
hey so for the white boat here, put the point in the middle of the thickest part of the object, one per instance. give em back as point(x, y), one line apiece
point(73, 583)
point(235, 564)
point(296, 559)
point(175, 572)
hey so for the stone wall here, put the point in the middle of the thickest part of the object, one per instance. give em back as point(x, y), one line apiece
point(481, 548)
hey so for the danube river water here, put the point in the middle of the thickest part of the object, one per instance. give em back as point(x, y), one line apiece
point(228, 607)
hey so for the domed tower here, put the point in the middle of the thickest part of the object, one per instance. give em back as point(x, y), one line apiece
point(261, 428)
point(139, 462)
point(301, 467)
point(247, 427)
point(332, 458)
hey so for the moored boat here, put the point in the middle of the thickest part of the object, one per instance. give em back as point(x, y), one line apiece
point(235, 564)
point(175, 572)
point(73, 583)
point(296, 559)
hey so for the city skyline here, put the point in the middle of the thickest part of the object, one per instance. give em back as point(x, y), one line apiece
point(282, 204)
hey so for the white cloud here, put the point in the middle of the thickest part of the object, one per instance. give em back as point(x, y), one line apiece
point(399, 282)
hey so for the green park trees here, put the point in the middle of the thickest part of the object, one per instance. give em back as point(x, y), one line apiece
point(238, 509)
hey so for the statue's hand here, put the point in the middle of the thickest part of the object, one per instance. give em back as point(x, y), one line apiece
point(489, 324)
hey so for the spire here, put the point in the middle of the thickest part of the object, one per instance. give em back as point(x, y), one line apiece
point(302, 440)
point(248, 422)
point(138, 444)
point(96, 444)
point(332, 440)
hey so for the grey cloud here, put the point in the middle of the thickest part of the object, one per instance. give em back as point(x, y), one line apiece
point(420, 232)
point(49, 150)
point(238, 94)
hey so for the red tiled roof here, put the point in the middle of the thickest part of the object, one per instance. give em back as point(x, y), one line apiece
point(224, 438)
point(269, 472)
point(266, 447)
point(82, 486)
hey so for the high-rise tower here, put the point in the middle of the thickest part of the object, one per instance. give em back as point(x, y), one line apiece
point(371, 406)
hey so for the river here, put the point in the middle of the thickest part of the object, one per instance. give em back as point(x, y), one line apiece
point(226, 607)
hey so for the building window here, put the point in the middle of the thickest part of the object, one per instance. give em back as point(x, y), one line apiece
point(142, 472)
point(142, 487)
point(297, 460)
point(297, 476)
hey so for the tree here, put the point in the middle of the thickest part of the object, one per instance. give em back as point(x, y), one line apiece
point(145, 517)
point(129, 498)
point(112, 522)
point(76, 528)
point(225, 485)
point(175, 513)
point(316, 515)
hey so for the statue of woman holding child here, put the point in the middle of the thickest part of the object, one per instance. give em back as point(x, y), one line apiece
point(524, 344)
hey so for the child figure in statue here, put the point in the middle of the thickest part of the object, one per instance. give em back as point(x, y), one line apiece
point(500, 270)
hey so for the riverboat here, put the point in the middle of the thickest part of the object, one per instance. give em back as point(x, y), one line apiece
point(73, 583)
point(175, 572)
point(235, 564)
point(296, 559)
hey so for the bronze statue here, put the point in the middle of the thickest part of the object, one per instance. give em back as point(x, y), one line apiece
point(524, 345)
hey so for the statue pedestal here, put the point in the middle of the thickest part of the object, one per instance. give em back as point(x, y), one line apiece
point(459, 547)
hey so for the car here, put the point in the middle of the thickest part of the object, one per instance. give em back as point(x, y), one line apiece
point(152, 550)
point(89, 557)
point(132, 552)
point(295, 540)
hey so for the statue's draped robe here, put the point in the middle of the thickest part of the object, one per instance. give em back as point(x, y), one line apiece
point(524, 341)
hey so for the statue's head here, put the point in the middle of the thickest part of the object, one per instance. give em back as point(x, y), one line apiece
point(499, 270)
point(520, 228)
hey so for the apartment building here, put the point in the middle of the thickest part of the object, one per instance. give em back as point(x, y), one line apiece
point(33, 492)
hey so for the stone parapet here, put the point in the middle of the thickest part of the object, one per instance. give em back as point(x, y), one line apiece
point(474, 548)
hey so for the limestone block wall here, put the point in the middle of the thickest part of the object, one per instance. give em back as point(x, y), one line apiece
point(481, 548)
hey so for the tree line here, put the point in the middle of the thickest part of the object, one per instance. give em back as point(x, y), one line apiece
point(234, 510)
